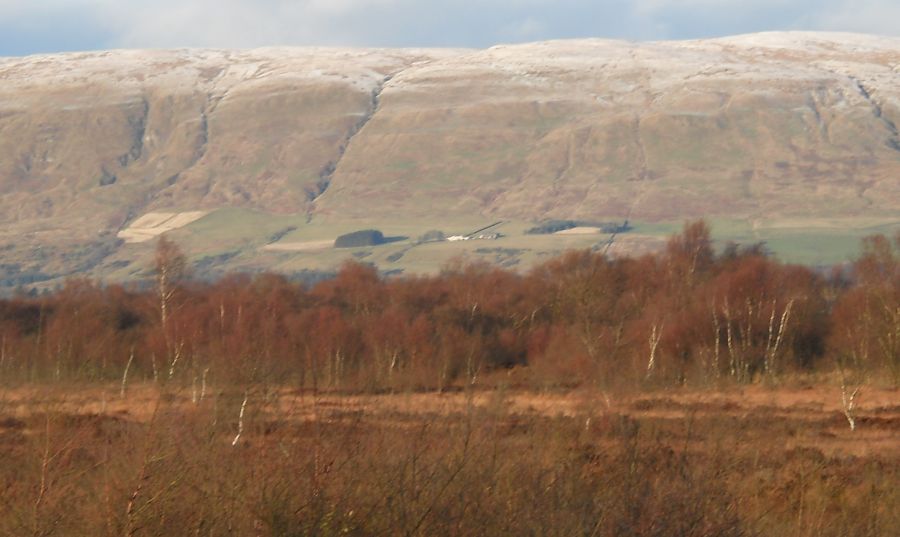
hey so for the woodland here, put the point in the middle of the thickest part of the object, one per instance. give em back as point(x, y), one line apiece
point(688, 392)
point(684, 316)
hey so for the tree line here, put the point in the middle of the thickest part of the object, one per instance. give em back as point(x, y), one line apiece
point(685, 315)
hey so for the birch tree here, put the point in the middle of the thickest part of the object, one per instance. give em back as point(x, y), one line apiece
point(170, 266)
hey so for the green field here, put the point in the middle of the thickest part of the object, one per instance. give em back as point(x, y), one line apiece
point(237, 239)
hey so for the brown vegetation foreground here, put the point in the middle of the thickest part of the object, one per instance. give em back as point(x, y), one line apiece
point(760, 461)
point(685, 393)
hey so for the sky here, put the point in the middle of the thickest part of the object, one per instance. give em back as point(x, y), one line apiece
point(41, 26)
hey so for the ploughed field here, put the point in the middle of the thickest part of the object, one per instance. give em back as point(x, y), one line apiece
point(493, 459)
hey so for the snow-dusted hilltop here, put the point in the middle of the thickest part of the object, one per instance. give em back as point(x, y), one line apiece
point(756, 126)
point(213, 71)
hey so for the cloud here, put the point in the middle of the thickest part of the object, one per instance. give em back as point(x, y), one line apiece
point(720, 17)
point(71, 24)
point(656, 6)
point(244, 23)
point(526, 29)
point(866, 16)
point(50, 26)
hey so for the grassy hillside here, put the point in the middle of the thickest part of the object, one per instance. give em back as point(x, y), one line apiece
point(749, 132)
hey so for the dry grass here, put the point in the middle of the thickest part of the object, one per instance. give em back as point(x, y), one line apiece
point(814, 412)
point(79, 460)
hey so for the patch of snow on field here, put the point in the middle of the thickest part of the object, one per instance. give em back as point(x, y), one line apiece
point(152, 225)
point(307, 246)
point(580, 230)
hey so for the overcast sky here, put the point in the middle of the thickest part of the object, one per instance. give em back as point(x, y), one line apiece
point(35, 26)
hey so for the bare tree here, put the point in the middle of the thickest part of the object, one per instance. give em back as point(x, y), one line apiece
point(170, 266)
point(655, 336)
point(851, 386)
point(776, 336)
point(849, 403)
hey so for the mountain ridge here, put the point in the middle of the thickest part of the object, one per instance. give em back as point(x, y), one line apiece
point(756, 128)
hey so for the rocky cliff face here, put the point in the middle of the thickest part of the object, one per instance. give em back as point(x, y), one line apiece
point(758, 126)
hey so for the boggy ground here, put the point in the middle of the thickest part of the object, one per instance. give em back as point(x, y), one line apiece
point(753, 460)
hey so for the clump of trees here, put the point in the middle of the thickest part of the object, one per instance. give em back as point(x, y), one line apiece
point(365, 237)
point(683, 316)
point(434, 235)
